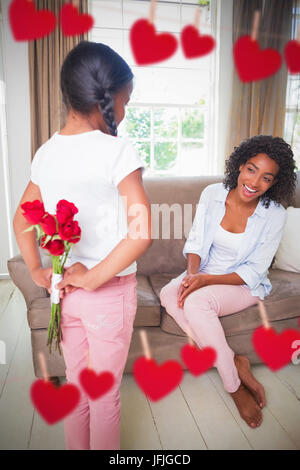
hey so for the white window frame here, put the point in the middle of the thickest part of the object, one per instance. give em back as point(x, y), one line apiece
point(152, 139)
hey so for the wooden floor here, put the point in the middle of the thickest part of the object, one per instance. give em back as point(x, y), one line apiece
point(197, 415)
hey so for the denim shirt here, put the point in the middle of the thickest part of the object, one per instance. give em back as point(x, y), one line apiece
point(262, 237)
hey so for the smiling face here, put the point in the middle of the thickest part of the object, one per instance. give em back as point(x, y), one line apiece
point(256, 176)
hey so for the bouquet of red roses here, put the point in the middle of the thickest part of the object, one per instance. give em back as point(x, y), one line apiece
point(56, 233)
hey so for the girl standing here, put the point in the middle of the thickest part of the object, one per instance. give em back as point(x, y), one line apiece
point(87, 164)
point(235, 234)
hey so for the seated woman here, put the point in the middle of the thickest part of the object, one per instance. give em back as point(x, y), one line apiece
point(235, 234)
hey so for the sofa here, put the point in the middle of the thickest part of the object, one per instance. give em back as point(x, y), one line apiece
point(162, 262)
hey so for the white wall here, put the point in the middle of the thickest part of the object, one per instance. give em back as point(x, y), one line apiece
point(16, 74)
point(4, 225)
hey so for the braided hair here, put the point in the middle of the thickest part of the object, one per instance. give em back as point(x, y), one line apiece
point(277, 149)
point(91, 73)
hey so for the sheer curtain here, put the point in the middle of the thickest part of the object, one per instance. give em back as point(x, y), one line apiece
point(46, 56)
point(259, 107)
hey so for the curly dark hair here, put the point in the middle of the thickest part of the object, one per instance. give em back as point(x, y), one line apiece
point(277, 149)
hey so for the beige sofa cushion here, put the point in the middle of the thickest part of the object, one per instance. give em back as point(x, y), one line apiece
point(148, 304)
point(282, 304)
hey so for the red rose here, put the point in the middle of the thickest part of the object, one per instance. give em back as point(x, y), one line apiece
point(48, 224)
point(70, 231)
point(65, 211)
point(76, 233)
point(55, 247)
point(33, 211)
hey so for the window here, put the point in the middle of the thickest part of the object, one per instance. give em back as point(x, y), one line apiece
point(292, 116)
point(169, 115)
point(170, 139)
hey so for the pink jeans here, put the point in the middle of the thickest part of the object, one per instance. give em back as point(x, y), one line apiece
point(99, 323)
point(200, 314)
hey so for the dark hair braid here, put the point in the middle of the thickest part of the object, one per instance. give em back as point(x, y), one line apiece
point(107, 109)
point(91, 73)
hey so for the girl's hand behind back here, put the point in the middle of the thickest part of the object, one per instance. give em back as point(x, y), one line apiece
point(73, 277)
point(42, 277)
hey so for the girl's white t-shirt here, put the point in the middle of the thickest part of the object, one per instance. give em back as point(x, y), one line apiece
point(86, 169)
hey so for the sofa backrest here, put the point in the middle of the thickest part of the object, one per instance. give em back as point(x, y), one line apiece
point(165, 254)
point(171, 199)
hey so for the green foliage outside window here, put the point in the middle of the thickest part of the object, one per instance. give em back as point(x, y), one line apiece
point(138, 122)
point(143, 149)
point(165, 155)
point(193, 124)
point(165, 122)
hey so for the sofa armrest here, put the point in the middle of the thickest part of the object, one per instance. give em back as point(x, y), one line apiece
point(21, 277)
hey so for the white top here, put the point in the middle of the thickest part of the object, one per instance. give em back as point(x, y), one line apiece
point(261, 240)
point(85, 169)
point(223, 251)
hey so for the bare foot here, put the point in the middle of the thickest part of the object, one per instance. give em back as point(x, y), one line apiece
point(244, 370)
point(248, 408)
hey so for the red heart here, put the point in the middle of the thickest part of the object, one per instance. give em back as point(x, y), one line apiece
point(149, 47)
point(96, 385)
point(195, 45)
point(157, 380)
point(197, 360)
point(292, 56)
point(27, 23)
point(274, 349)
point(253, 63)
point(53, 403)
point(72, 22)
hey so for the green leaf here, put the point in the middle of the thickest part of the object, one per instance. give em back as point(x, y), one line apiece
point(40, 232)
point(29, 229)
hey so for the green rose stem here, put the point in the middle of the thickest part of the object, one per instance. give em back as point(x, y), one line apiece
point(66, 255)
point(54, 329)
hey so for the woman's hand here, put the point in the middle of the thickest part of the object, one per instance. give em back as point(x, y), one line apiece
point(181, 290)
point(73, 277)
point(190, 283)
